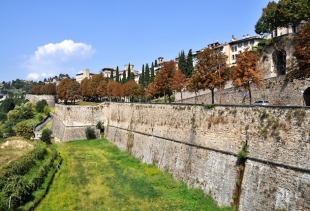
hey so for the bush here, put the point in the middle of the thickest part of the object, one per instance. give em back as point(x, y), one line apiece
point(46, 136)
point(3, 117)
point(24, 130)
point(90, 133)
point(47, 110)
point(40, 106)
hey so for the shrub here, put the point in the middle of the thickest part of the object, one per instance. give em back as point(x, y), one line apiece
point(3, 117)
point(46, 136)
point(47, 110)
point(242, 154)
point(208, 106)
point(24, 130)
point(90, 133)
point(40, 106)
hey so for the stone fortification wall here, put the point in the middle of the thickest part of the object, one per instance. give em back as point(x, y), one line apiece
point(200, 147)
point(50, 99)
point(277, 90)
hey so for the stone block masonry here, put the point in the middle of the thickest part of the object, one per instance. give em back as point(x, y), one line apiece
point(50, 99)
point(200, 147)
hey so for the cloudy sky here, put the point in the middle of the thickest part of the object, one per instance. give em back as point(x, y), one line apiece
point(41, 39)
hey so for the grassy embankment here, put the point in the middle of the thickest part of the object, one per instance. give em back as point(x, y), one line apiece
point(96, 175)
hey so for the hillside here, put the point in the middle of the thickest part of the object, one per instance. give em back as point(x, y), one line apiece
point(95, 175)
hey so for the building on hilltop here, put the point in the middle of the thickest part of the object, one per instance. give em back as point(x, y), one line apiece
point(238, 46)
point(106, 72)
point(84, 74)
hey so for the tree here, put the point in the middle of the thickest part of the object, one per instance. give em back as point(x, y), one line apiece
point(164, 79)
point(74, 91)
point(152, 90)
point(179, 80)
point(61, 89)
point(7, 105)
point(46, 136)
point(182, 62)
point(141, 78)
point(247, 71)
point(268, 20)
point(292, 12)
point(84, 91)
point(40, 106)
point(155, 63)
point(189, 64)
point(22, 129)
point(302, 54)
point(124, 79)
point(101, 90)
point(212, 68)
point(152, 73)
point(111, 75)
point(117, 75)
point(128, 72)
point(90, 133)
point(194, 83)
point(146, 75)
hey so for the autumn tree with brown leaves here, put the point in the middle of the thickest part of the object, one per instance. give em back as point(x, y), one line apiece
point(74, 91)
point(101, 90)
point(194, 84)
point(247, 71)
point(164, 79)
point(302, 53)
point(151, 90)
point(178, 83)
point(39, 89)
point(212, 70)
point(61, 89)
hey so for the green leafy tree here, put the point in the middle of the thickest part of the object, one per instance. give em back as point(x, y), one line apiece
point(46, 136)
point(46, 110)
point(292, 12)
point(7, 105)
point(124, 77)
point(268, 20)
point(40, 106)
point(24, 130)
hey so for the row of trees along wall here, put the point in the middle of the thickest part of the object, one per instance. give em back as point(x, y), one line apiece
point(200, 146)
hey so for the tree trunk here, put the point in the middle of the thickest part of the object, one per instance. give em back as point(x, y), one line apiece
point(250, 94)
point(212, 93)
point(181, 98)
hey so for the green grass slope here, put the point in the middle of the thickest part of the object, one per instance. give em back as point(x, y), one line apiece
point(95, 175)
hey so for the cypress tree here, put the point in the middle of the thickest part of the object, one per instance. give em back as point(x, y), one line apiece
point(117, 75)
point(189, 64)
point(155, 62)
point(147, 75)
point(111, 75)
point(152, 73)
point(141, 78)
point(124, 77)
point(128, 72)
point(182, 62)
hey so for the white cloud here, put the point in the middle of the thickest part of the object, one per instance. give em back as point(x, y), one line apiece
point(54, 58)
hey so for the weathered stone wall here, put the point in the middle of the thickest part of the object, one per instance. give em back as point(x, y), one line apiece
point(200, 147)
point(50, 99)
point(277, 90)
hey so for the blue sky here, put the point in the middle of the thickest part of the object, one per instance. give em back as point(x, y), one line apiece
point(41, 39)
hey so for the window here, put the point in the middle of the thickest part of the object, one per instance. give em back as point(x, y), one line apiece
point(246, 43)
point(235, 48)
point(240, 44)
point(252, 42)
point(233, 57)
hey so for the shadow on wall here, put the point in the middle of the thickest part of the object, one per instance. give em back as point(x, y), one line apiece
point(307, 96)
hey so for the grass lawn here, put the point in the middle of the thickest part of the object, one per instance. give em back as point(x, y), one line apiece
point(96, 175)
